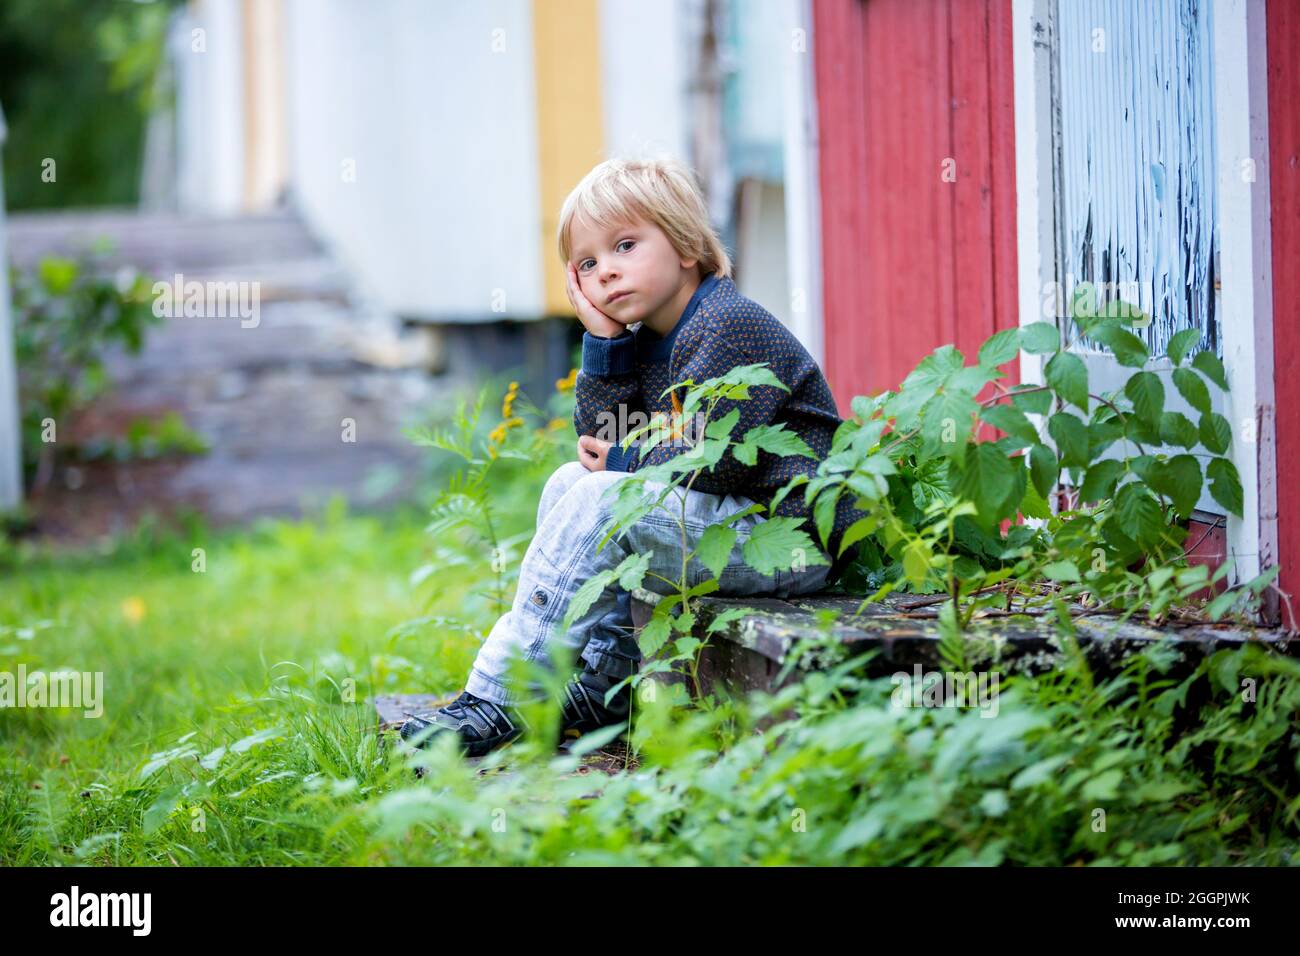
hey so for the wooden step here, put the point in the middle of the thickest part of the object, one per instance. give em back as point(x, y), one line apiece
point(750, 652)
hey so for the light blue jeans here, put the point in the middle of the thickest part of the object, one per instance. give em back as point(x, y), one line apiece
point(572, 517)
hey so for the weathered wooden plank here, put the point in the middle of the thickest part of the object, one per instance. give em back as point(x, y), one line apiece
point(750, 652)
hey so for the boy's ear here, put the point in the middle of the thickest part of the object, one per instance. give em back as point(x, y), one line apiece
point(690, 263)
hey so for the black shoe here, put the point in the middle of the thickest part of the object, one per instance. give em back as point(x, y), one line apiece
point(582, 707)
point(480, 725)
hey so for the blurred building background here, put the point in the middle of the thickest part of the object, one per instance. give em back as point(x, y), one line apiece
point(390, 174)
point(431, 144)
point(889, 175)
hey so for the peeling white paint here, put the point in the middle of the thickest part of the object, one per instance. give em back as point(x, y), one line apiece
point(1137, 191)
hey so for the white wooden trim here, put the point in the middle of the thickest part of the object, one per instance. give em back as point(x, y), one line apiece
point(1241, 123)
point(1035, 210)
point(802, 191)
point(1246, 301)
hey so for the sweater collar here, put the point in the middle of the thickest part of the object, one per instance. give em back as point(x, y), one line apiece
point(656, 347)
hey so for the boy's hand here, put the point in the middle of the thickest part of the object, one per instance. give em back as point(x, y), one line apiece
point(595, 321)
point(592, 452)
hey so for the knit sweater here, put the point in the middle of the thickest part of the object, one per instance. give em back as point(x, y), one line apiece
point(718, 330)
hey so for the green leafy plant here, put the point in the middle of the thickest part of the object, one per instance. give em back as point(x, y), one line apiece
point(471, 501)
point(942, 505)
point(776, 543)
point(68, 314)
point(948, 511)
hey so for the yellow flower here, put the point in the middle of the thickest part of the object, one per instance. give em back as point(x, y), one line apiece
point(133, 609)
point(565, 384)
point(508, 405)
point(498, 434)
point(555, 423)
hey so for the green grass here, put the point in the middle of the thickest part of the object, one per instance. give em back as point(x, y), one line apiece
point(280, 612)
point(226, 738)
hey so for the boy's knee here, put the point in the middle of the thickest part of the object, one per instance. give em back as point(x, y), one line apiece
point(567, 475)
point(590, 488)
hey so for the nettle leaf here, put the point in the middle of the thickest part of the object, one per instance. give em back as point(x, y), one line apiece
point(632, 572)
point(1043, 469)
point(1128, 348)
point(748, 375)
point(1099, 482)
point(988, 480)
point(824, 514)
point(946, 423)
point(1215, 432)
point(1179, 479)
point(587, 595)
point(1143, 466)
point(1138, 429)
point(934, 369)
point(651, 638)
point(784, 490)
point(1032, 399)
point(865, 407)
point(1147, 393)
point(1065, 571)
point(1071, 437)
point(1177, 429)
point(773, 544)
point(1067, 374)
point(1225, 483)
point(969, 379)
point(1182, 343)
point(858, 530)
point(1139, 514)
point(999, 348)
point(715, 546)
point(1034, 505)
point(916, 561)
point(1011, 420)
point(776, 439)
point(1039, 338)
point(1192, 388)
point(1208, 364)
point(1103, 434)
point(723, 426)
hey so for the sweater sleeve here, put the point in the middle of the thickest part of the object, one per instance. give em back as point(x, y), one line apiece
point(606, 382)
point(711, 357)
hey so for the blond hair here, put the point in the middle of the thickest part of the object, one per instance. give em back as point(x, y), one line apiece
point(662, 191)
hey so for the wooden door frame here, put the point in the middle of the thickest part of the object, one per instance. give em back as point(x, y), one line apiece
point(1241, 130)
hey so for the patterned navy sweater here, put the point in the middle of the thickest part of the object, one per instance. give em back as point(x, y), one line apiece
point(718, 330)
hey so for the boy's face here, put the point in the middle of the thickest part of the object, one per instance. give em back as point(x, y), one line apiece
point(633, 258)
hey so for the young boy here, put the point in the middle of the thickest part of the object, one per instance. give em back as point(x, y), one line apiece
point(651, 283)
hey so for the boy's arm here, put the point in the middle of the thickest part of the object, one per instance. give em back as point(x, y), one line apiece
point(606, 381)
point(712, 356)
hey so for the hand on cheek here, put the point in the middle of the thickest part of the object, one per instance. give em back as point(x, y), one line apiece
point(592, 452)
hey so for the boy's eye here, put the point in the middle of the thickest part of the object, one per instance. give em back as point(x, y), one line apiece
point(584, 262)
point(630, 243)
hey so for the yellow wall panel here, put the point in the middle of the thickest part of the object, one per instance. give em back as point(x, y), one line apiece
point(570, 134)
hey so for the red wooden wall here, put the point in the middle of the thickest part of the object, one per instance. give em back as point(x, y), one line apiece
point(1282, 25)
point(910, 261)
